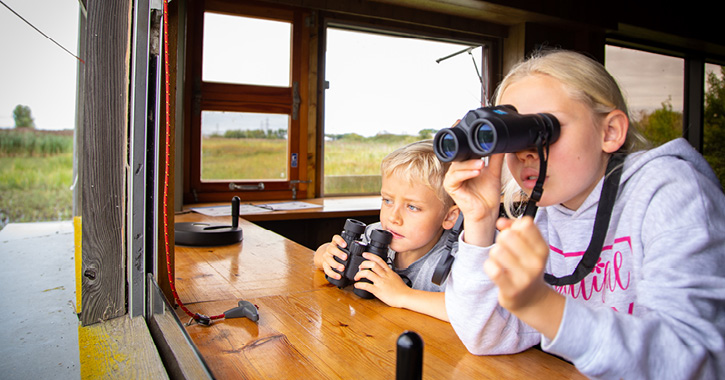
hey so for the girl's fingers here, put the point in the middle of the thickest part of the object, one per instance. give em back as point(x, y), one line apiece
point(492, 269)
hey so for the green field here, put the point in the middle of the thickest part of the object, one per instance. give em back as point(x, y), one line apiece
point(36, 170)
point(351, 166)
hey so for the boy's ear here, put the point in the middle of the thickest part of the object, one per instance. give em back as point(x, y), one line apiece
point(451, 217)
point(616, 125)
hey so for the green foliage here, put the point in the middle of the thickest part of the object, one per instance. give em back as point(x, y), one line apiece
point(23, 117)
point(26, 142)
point(714, 135)
point(256, 134)
point(662, 125)
point(425, 134)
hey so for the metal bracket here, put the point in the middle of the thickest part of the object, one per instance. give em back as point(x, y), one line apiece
point(293, 185)
point(234, 186)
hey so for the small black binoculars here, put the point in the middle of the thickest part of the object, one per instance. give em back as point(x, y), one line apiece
point(378, 245)
point(489, 130)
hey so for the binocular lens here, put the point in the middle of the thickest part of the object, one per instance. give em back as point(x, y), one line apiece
point(448, 146)
point(490, 130)
point(485, 137)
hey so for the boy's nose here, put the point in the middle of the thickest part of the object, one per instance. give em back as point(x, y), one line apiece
point(394, 216)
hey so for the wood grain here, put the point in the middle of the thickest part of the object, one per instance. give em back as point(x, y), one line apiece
point(308, 328)
point(105, 125)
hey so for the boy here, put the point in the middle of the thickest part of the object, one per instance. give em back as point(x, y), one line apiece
point(419, 213)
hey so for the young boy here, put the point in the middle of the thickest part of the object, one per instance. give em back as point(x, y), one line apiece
point(419, 213)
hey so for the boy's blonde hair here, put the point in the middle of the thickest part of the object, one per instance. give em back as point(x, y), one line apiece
point(417, 162)
point(586, 80)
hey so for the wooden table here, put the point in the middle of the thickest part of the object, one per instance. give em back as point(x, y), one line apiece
point(308, 329)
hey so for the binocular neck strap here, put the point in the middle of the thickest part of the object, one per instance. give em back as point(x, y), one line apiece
point(608, 195)
point(538, 190)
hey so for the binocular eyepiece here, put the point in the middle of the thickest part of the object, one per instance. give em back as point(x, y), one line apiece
point(352, 234)
point(489, 130)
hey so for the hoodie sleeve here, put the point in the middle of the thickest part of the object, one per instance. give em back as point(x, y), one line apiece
point(484, 327)
point(677, 327)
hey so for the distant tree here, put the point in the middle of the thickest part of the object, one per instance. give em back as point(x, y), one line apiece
point(714, 134)
point(427, 133)
point(23, 117)
point(662, 125)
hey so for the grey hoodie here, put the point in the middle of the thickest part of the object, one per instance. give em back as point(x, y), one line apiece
point(653, 307)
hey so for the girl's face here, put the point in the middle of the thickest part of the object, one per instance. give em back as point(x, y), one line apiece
point(576, 160)
point(412, 213)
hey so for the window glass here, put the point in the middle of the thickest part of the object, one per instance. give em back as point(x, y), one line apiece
point(653, 86)
point(243, 146)
point(714, 119)
point(384, 92)
point(244, 50)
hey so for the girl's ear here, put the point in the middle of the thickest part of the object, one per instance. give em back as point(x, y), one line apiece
point(451, 217)
point(616, 125)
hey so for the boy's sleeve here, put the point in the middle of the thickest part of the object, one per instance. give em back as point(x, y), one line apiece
point(484, 327)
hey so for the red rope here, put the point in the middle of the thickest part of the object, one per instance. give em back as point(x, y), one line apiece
point(195, 316)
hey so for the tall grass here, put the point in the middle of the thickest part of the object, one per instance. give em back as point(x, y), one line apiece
point(29, 142)
point(36, 170)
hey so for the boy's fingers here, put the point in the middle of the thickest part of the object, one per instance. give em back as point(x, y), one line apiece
point(374, 258)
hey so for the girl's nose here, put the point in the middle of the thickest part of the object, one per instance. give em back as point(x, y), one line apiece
point(528, 154)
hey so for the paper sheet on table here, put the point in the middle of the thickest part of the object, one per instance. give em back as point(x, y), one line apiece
point(254, 209)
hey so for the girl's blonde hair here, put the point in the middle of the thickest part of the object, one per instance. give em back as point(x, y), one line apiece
point(587, 81)
point(417, 163)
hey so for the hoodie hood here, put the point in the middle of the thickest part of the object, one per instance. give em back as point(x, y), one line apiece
point(678, 148)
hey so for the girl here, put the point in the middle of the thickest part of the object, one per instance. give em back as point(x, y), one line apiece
point(654, 304)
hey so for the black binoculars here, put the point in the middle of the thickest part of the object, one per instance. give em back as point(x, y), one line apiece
point(489, 130)
point(378, 245)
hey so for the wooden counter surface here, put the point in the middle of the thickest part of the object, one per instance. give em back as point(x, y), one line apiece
point(308, 329)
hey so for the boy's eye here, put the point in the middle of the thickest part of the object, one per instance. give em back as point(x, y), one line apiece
point(413, 208)
point(387, 201)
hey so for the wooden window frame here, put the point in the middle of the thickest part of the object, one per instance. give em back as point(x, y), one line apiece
point(212, 96)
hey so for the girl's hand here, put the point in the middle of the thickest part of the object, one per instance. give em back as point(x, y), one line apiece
point(386, 285)
point(516, 264)
point(329, 253)
point(476, 189)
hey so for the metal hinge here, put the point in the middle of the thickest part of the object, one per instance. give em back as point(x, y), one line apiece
point(295, 100)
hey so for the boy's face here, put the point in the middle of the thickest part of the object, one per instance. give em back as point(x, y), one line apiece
point(412, 213)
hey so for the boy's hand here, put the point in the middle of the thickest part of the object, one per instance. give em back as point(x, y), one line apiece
point(386, 285)
point(328, 257)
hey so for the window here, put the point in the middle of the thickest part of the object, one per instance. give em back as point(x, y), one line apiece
point(247, 112)
point(714, 119)
point(384, 91)
point(653, 86)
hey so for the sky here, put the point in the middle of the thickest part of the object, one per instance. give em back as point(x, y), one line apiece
point(34, 71)
point(37, 73)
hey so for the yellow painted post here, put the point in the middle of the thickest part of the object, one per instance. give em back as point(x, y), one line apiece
point(77, 226)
